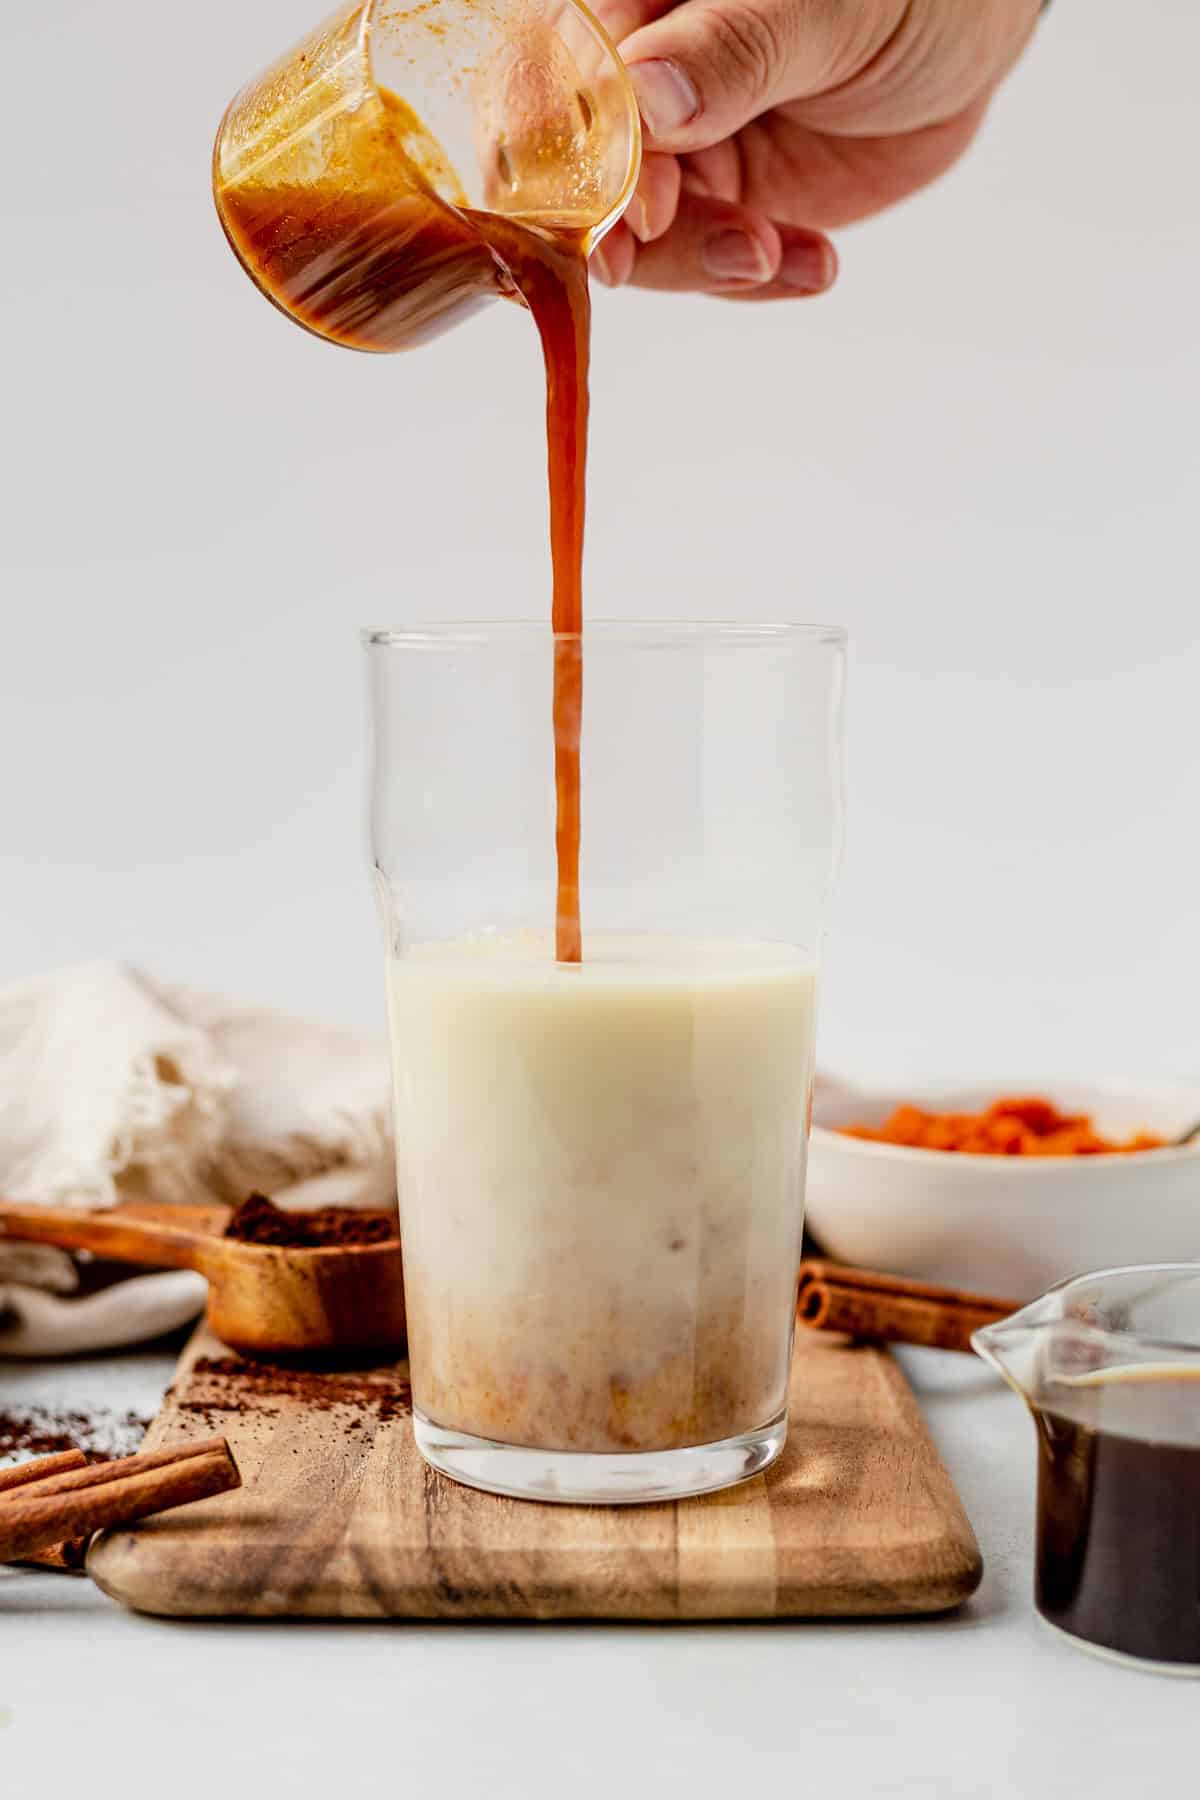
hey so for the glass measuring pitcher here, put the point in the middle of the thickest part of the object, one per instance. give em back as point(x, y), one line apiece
point(366, 180)
point(1109, 1365)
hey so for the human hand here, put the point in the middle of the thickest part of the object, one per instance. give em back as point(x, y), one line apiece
point(769, 122)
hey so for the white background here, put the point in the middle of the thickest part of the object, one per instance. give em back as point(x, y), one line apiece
point(979, 453)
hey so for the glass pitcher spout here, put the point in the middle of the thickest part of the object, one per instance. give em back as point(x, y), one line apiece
point(1010, 1346)
point(1114, 1325)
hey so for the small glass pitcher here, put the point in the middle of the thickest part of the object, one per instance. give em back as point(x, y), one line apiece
point(1109, 1365)
point(370, 156)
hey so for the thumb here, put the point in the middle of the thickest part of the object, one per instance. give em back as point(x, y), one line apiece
point(704, 69)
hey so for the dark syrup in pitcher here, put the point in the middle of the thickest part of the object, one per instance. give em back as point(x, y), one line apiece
point(1118, 1551)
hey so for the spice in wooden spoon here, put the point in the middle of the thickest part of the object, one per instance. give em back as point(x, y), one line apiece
point(343, 1293)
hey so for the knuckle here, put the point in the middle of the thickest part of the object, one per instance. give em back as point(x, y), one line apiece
point(746, 45)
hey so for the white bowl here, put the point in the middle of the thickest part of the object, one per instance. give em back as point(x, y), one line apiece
point(1005, 1225)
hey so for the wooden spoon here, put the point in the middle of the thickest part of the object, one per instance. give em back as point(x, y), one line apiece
point(263, 1299)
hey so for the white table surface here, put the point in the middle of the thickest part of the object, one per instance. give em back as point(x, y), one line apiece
point(984, 1703)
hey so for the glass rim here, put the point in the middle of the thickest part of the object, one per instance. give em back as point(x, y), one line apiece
point(649, 633)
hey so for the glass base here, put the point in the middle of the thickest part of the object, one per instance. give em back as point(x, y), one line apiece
point(581, 1477)
point(1123, 1658)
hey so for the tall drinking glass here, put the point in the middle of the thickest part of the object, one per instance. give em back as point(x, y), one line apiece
point(601, 1165)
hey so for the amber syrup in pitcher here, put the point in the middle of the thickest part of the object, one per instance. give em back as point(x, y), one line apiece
point(374, 258)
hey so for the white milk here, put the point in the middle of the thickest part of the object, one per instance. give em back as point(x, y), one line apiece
point(601, 1174)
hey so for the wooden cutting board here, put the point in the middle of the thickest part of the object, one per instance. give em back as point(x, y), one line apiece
point(340, 1518)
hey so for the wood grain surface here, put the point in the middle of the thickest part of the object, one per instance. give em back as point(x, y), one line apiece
point(338, 1516)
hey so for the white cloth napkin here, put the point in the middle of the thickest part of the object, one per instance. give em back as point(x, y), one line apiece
point(114, 1086)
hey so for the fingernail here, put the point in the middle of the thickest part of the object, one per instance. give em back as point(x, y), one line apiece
point(735, 256)
point(807, 267)
point(599, 266)
point(665, 96)
point(637, 218)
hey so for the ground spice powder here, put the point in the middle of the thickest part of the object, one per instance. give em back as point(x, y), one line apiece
point(223, 1385)
point(259, 1221)
point(42, 1431)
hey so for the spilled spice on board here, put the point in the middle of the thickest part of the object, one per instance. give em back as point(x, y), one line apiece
point(229, 1385)
point(45, 1430)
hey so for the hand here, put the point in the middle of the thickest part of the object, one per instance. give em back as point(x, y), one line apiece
point(769, 122)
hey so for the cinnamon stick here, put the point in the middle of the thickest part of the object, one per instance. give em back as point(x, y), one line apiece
point(892, 1309)
point(80, 1501)
point(103, 1474)
point(34, 1470)
point(65, 1559)
point(65, 1556)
